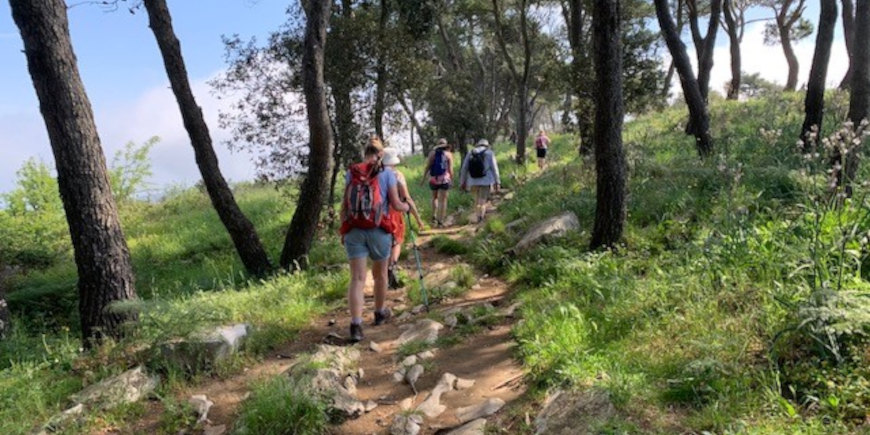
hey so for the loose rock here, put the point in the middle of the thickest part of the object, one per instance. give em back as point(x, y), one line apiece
point(202, 351)
point(423, 356)
point(425, 330)
point(371, 405)
point(375, 347)
point(432, 406)
point(463, 384)
point(329, 373)
point(451, 321)
point(418, 309)
point(483, 409)
point(409, 361)
point(474, 427)
point(128, 387)
point(201, 405)
point(568, 412)
point(413, 375)
point(406, 425)
point(556, 226)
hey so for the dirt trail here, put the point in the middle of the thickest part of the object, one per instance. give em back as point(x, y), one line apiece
point(484, 356)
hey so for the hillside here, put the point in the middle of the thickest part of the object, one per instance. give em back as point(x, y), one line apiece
point(737, 303)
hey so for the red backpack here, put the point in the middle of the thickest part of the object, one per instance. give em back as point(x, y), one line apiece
point(363, 203)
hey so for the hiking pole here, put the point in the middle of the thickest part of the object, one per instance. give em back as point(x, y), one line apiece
point(419, 265)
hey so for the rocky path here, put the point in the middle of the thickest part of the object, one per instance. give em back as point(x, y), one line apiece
point(449, 370)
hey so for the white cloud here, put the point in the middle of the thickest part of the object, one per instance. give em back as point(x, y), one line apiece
point(154, 113)
point(769, 61)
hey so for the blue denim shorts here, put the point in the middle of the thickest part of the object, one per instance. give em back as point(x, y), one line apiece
point(374, 243)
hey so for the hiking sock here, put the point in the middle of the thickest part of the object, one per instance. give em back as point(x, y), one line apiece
point(356, 320)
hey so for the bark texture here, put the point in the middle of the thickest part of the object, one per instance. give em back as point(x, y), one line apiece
point(241, 230)
point(849, 38)
point(733, 23)
point(814, 104)
point(699, 119)
point(609, 157)
point(313, 193)
point(859, 104)
point(105, 274)
point(704, 45)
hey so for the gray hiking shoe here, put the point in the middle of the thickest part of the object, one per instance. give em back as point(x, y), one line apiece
point(356, 334)
point(381, 318)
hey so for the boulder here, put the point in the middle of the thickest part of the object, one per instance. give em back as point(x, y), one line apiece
point(330, 373)
point(483, 409)
point(202, 351)
point(128, 387)
point(553, 227)
point(474, 427)
point(568, 412)
point(425, 330)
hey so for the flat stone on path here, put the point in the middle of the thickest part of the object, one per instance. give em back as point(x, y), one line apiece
point(203, 350)
point(201, 405)
point(553, 227)
point(425, 330)
point(406, 424)
point(483, 409)
point(474, 427)
point(432, 406)
point(330, 372)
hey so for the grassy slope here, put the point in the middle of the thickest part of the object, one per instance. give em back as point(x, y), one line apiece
point(188, 277)
point(681, 327)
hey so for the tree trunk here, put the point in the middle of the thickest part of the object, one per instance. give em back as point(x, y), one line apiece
point(303, 226)
point(849, 37)
point(859, 102)
point(814, 105)
point(790, 57)
point(705, 57)
point(381, 71)
point(610, 171)
point(101, 255)
point(522, 123)
point(5, 318)
point(579, 72)
point(734, 41)
point(240, 229)
point(699, 120)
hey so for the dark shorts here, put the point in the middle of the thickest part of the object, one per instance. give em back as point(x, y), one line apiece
point(443, 186)
point(542, 153)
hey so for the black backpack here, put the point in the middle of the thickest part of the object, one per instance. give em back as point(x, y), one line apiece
point(477, 164)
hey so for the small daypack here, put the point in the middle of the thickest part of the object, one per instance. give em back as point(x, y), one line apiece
point(439, 163)
point(363, 202)
point(477, 164)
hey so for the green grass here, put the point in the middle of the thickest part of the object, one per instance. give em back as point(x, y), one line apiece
point(280, 406)
point(691, 325)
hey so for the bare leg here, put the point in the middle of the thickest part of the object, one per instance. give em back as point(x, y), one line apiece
point(357, 284)
point(442, 205)
point(379, 273)
point(395, 252)
point(434, 205)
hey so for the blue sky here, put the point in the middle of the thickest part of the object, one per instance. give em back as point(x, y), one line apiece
point(127, 85)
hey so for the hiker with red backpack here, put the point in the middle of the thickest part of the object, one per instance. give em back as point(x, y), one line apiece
point(366, 231)
point(439, 172)
point(480, 173)
point(390, 160)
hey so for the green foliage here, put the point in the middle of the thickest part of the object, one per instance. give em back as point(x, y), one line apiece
point(448, 246)
point(739, 297)
point(130, 169)
point(282, 406)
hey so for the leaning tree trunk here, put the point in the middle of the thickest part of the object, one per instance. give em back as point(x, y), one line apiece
point(734, 46)
point(522, 122)
point(241, 230)
point(790, 57)
point(705, 57)
point(849, 37)
point(101, 255)
point(859, 103)
point(609, 157)
point(303, 226)
point(699, 119)
point(814, 104)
